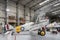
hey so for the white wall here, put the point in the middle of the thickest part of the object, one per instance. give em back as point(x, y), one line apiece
point(12, 11)
point(21, 10)
point(32, 14)
point(2, 12)
point(28, 13)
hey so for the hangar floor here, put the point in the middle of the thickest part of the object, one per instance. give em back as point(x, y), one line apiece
point(28, 36)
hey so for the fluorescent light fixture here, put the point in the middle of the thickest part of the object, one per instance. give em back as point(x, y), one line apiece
point(7, 9)
point(57, 4)
point(43, 2)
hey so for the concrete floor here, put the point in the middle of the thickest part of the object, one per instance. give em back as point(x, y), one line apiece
point(48, 36)
point(28, 36)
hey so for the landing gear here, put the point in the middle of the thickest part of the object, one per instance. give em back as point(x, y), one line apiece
point(41, 32)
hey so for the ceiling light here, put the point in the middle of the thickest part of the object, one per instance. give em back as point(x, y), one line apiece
point(43, 2)
point(57, 4)
point(7, 9)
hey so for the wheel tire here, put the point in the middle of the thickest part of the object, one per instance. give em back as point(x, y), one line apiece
point(42, 33)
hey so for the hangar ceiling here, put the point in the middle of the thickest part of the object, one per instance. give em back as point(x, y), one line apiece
point(35, 4)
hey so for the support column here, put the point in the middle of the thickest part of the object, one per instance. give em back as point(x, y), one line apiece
point(30, 14)
point(17, 15)
point(24, 12)
point(6, 17)
point(34, 17)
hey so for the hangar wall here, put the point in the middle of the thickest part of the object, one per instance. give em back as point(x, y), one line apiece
point(2, 13)
point(29, 13)
point(11, 11)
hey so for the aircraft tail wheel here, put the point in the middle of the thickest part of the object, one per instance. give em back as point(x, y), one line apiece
point(42, 33)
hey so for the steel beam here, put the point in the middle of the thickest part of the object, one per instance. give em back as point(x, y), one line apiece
point(17, 15)
point(30, 14)
point(13, 1)
point(24, 11)
point(36, 4)
point(6, 18)
point(42, 6)
point(55, 9)
point(16, 2)
point(28, 2)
